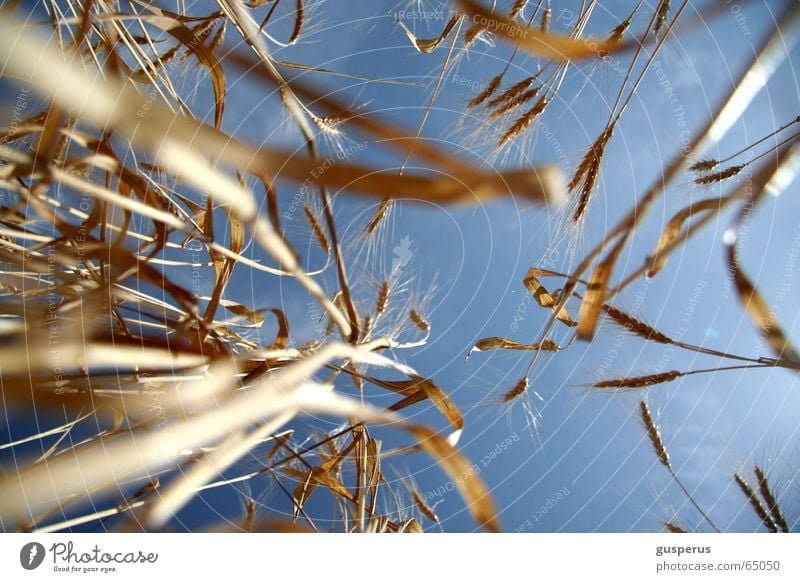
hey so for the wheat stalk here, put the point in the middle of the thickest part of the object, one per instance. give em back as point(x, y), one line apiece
point(769, 498)
point(755, 503)
point(654, 435)
point(640, 381)
point(518, 390)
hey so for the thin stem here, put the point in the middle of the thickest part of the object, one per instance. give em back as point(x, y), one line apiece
point(693, 502)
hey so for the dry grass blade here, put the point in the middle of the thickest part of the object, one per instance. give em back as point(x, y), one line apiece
point(441, 400)
point(760, 312)
point(472, 488)
point(278, 397)
point(594, 298)
point(769, 498)
point(654, 435)
point(537, 42)
point(755, 503)
point(411, 526)
point(112, 105)
point(374, 475)
point(169, 22)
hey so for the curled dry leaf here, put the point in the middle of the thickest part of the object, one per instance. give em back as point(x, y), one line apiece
point(428, 45)
point(760, 312)
point(673, 230)
point(537, 42)
point(543, 297)
point(462, 474)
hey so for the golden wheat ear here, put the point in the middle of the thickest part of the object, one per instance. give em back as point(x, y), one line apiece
point(755, 502)
point(660, 449)
point(770, 500)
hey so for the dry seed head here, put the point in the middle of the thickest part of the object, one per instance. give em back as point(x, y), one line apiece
point(410, 526)
point(423, 507)
point(523, 122)
point(216, 40)
point(299, 21)
point(487, 92)
point(250, 515)
point(755, 503)
point(518, 390)
point(380, 214)
point(514, 103)
point(419, 321)
point(639, 381)
point(325, 127)
point(655, 436)
point(662, 12)
point(587, 172)
point(367, 327)
point(769, 498)
point(719, 176)
point(590, 158)
point(674, 528)
point(383, 299)
point(336, 119)
point(703, 166)
point(619, 31)
point(546, 15)
point(472, 34)
point(511, 92)
point(517, 9)
point(319, 232)
point(635, 326)
point(616, 34)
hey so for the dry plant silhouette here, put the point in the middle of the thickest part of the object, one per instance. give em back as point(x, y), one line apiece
point(114, 189)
